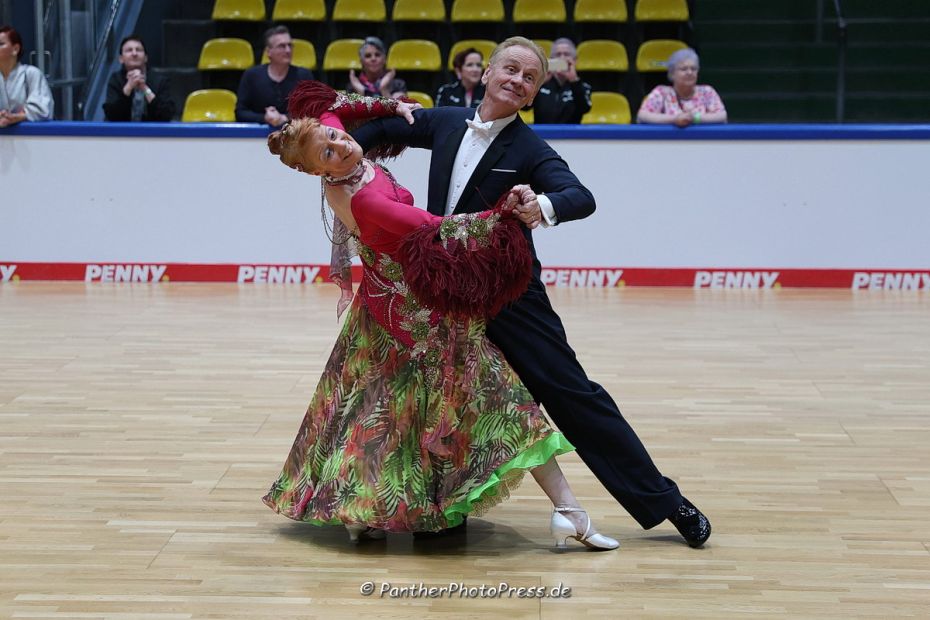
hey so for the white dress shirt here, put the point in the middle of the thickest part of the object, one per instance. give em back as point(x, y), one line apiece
point(25, 90)
point(477, 140)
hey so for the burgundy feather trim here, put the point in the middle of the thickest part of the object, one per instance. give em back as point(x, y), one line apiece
point(310, 99)
point(463, 282)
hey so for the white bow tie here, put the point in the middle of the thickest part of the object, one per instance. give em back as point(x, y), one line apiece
point(480, 128)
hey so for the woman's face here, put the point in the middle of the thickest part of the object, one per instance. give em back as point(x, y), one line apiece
point(372, 60)
point(331, 151)
point(471, 70)
point(685, 73)
point(7, 50)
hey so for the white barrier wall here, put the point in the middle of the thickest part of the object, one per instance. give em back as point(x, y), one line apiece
point(693, 212)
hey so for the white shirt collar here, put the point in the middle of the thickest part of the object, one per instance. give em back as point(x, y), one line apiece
point(492, 128)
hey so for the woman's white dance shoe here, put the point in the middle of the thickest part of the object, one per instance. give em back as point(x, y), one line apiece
point(359, 532)
point(562, 529)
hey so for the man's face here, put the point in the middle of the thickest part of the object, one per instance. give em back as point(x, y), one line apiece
point(280, 49)
point(132, 56)
point(563, 50)
point(513, 78)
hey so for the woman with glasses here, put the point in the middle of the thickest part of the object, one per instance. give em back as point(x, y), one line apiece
point(685, 102)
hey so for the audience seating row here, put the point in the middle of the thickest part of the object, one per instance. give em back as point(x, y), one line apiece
point(219, 106)
point(423, 55)
point(524, 11)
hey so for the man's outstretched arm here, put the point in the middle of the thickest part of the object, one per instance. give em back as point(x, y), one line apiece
point(397, 130)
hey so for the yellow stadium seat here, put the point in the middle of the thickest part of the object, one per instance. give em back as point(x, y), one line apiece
point(414, 55)
point(661, 11)
point(226, 54)
point(484, 46)
point(299, 10)
point(422, 98)
point(539, 11)
point(600, 11)
point(210, 106)
point(304, 54)
point(545, 44)
point(527, 116)
point(477, 11)
point(239, 10)
point(359, 11)
point(342, 55)
point(652, 56)
point(419, 11)
point(607, 108)
point(602, 55)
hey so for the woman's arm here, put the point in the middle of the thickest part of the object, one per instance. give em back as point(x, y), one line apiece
point(714, 117)
point(39, 103)
point(654, 118)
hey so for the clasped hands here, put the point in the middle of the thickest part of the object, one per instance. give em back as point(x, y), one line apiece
point(524, 204)
point(135, 80)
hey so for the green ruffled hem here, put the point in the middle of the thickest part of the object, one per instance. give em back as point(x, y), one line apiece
point(488, 493)
point(537, 454)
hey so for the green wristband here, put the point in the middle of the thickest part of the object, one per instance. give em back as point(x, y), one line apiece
point(697, 117)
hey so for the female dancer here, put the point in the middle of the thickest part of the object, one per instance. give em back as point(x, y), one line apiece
point(418, 420)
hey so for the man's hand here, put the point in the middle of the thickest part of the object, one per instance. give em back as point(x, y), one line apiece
point(135, 80)
point(527, 208)
point(406, 110)
point(570, 74)
point(273, 117)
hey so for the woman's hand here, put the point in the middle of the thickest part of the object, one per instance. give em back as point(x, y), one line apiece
point(8, 118)
point(683, 119)
point(357, 85)
point(386, 82)
point(406, 110)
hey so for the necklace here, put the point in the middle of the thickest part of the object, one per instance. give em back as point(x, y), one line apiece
point(349, 179)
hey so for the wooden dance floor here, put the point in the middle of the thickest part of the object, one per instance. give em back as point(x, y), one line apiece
point(141, 424)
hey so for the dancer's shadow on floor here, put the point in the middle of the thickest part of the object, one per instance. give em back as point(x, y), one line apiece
point(480, 538)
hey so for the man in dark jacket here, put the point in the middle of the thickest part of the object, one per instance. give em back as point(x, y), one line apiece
point(133, 94)
point(478, 155)
point(563, 98)
point(263, 89)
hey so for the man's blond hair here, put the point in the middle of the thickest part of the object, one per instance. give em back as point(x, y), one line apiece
point(522, 42)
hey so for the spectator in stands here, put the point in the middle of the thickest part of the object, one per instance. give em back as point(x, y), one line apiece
point(263, 89)
point(375, 79)
point(685, 102)
point(133, 94)
point(467, 91)
point(563, 97)
point(24, 92)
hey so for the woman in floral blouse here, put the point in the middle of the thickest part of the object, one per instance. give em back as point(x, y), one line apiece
point(685, 102)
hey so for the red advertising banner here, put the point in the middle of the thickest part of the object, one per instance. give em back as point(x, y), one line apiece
point(574, 277)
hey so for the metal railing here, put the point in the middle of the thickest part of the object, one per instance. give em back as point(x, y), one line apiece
point(90, 31)
point(841, 40)
point(840, 62)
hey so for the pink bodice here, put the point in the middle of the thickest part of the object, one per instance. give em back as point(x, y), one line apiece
point(384, 213)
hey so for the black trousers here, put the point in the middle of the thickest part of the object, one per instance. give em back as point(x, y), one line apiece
point(532, 338)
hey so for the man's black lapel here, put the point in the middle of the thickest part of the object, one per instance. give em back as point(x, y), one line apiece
point(497, 149)
point(443, 161)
